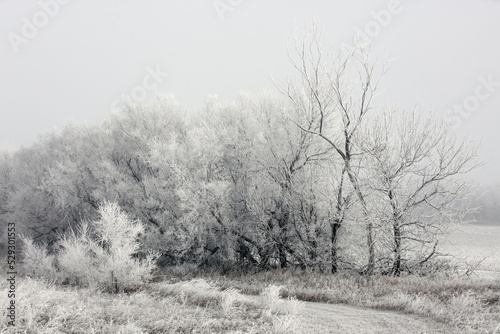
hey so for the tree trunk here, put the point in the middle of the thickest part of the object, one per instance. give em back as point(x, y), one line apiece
point(396, 266)
point(283, 238)
point(282, 256)
point(369, 223)
point(335, 227)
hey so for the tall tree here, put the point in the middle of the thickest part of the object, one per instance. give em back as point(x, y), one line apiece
point(418, 165)
point(334, 96)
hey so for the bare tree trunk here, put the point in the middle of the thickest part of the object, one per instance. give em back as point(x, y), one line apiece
point(282, 256)
point(335, 228)
point(369, 224)
point(340, 208)
point(264, 257)
point(396, 265)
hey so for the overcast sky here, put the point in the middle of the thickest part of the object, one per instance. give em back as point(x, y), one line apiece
point(73, 60)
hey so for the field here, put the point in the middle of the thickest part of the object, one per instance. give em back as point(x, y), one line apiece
point(195, 306)
point(183, 300)
point(476, 246)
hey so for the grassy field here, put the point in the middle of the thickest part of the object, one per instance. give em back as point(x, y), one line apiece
point(223, 304)
point(194, 306)
point(476, 246)
point(463, 304)
point(184, 300)
point(219, 304)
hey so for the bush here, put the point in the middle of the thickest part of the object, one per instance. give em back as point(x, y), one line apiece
point(103, 259)
point(37, 262)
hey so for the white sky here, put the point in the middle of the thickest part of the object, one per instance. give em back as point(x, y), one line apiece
point(89, 53)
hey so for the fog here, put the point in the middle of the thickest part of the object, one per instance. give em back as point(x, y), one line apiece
point(64, 61)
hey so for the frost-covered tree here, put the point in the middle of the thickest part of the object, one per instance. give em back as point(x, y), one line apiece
point(334, 96)
point(259, 161)
point(416, 161)
point(417, 166)
point(27, 201)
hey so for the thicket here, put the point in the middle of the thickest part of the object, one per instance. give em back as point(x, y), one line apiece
point(323, 179)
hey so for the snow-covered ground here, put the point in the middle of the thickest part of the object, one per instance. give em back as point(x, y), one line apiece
point(476, 243)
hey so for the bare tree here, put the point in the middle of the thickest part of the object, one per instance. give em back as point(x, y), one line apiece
point(417, 164)
point(334, 96)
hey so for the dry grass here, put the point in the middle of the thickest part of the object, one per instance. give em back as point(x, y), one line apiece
point(185, 300)
point(185, 307)
point(215, 305)
point(470, 306)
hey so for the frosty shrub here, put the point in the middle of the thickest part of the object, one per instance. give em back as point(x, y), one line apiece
point(80, 258)
point(271, 297)
point(283, 313)
point(37, 262)
point(100, 254)
point(228, 301)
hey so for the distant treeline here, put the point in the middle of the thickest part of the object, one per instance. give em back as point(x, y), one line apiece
point(488, 204)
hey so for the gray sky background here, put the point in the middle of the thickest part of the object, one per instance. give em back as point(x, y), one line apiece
point(87, 54)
